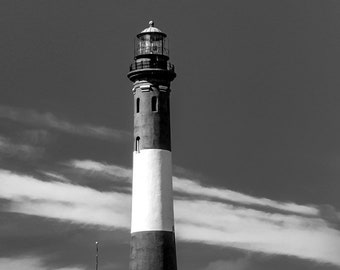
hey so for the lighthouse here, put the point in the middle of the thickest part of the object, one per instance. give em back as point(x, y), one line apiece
point(152, 223)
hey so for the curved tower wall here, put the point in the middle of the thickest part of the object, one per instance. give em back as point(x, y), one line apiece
point(152, 224)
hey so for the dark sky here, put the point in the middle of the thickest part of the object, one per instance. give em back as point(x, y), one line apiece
point(255, 132)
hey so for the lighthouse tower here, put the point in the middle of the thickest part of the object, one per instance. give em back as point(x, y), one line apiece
point(152, 225)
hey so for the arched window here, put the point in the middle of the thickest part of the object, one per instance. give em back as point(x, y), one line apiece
point(154, 104)
point(137, 144)
point(137, 105)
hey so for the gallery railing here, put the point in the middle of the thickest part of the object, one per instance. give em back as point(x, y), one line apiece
point(149, 64)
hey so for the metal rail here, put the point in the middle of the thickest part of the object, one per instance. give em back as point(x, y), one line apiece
point(97, 251)
point(149, 64)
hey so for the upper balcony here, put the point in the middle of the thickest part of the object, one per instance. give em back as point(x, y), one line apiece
point(146, 69)
point(147, 64)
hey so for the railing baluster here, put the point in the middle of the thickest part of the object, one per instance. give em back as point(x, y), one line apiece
point(149, 64)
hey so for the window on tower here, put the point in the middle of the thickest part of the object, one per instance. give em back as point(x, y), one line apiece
point(137, 105)
point(154, 104)
point(137, 144)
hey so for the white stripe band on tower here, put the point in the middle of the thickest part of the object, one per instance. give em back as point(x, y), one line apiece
point(152, 199)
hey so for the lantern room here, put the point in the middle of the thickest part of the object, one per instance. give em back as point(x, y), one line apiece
point(151, 41)
point(151, 59)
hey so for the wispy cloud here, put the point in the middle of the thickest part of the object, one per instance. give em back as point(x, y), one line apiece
point(71, 268)
point(191, 188)
point(29, 263)
point(99, 167)
point(225, 225)
point(48, 120)
point(19, 150)
point(219, 223)
point(194, 188)
point(64, 201)
point(36, 136)
point(56, 176)
point(240, 264)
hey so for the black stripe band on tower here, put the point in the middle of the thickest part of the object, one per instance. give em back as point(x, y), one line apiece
point(152, 121)
point(153, 250)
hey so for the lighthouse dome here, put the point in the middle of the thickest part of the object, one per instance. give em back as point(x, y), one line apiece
point(151, 28)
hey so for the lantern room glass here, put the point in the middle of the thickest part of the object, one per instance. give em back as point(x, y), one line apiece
point(151, 43)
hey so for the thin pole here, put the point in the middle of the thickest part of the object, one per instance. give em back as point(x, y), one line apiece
point(97, 255)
